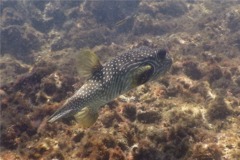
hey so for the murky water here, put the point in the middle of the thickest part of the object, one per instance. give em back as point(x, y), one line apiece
point(192, 112)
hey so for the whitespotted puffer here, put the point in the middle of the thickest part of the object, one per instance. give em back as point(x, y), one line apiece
point(106, 82)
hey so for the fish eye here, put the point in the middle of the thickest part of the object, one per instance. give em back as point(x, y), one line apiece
point(161, 54)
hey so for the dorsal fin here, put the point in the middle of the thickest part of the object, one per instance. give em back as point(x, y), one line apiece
point(87, 63)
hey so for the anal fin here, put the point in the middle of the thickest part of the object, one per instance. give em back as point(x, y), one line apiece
point(86, 117)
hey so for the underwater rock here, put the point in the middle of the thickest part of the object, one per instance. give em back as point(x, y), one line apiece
point(235, 39)
point(6, 4)
point(3, 99)
point(59, 45)
point(158, 136)
point(78, 137)
point(177, 67)
point(178, 143)
point(145, 24)
point(88, 38)
point(238, 81)
point(33, 78)
point(108, 119)
point(191, 70)
point(206, 151)
point(11, 17)
point(180, 85)
point(148, 117)
point(173, 8)
point(40, 4)
point(145, 150)
point(208, 56)
point(45, 148)
point(49, 85)
point(129, 111)
point(172, 91)
point(110, 12)
point(17, 133)
point(47, 15)
point(11, 69)
point(117, 154)
point(233, 20)
point(222, 83)
point(20, 40)
point(42, 25)
point(204, 89)
point(166, 8)
point(52, 87)
point(186, 115)
point(185, 82)
point(56, 15)
point(213, 73)
point(8, 155)
point(219, 109)
point(29, 86)
point(99, 146)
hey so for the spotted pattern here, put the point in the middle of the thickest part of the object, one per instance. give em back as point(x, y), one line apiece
point(113, 79)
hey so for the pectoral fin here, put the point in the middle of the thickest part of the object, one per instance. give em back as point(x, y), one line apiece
point(141, 75)
point(86, 117)
point(87, 63)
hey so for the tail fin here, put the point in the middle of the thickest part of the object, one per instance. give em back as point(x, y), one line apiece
point(59, 114)
point(86, 117)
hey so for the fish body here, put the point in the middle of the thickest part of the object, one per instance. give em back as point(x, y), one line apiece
point(106, 82)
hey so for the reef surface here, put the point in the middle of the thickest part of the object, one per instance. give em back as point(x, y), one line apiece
point(192, 113)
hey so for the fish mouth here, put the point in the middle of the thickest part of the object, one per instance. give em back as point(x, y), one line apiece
point(167, 65)
point(169, 62)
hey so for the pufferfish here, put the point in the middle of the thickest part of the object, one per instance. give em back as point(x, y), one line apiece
point(106, 82)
